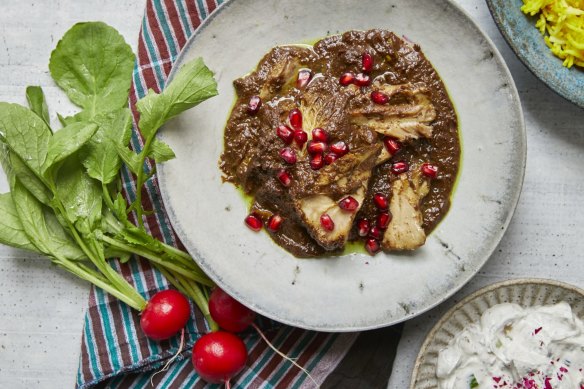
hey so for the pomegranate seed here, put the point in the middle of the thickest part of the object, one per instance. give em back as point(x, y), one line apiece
point(304, 77)
point(392, 145)
point(372, 246)
point(253, 221)
point(340, 148)
point(383, 220)
point(430, 171)
point(375, 232)
point(285, 133)
point(288, 155)
point(380, 201)
point(400, 167)
point(366, 62)
point(295, 118)
point(330, 158)
point(300, 137)
point(316, 162)
point(379, 98)
point(347, 78)
point(326, 222)
point(349, 204)
point(362, 79)
point(320, 135)
point(363, 227)
point(284, 178)
point(274, 222)
point(314, 148)
point(255, 102)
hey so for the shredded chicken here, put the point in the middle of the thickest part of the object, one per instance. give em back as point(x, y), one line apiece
point(405, 230)
point(407, 116)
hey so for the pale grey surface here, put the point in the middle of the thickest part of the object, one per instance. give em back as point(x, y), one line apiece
point(41, 307)
point(355, 291)
point(544, 238)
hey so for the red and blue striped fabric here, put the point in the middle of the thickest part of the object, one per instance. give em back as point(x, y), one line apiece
point(114, 353)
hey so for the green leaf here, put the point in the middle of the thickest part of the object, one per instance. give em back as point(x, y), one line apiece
point(11, 230)
point(130, 158)
point(37, 103)
point(120, 209)
point(193, 84)
point(137, 236)
point(30, 180)
point(101, 152)
point(473, 382)
point(160, 151)
point(61, 241)
point(79, 193)
point(93, 65)
point(67, 141)
point(31, 215)
point(25, 133)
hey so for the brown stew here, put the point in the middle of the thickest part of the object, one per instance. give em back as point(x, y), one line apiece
point(354, 138)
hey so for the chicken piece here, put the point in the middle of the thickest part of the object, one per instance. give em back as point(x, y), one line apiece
point(405, 230)
point(407, 116)
point(348, 176)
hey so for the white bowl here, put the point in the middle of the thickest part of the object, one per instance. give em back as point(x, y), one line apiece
point(354, 291)
point(525, 292)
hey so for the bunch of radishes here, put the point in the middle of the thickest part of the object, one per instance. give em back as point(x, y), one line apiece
point(217, 356)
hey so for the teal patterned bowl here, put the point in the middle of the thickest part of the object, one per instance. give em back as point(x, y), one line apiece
point(526, 41)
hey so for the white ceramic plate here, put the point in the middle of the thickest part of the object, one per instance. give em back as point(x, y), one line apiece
point(525, 292)
point(350, 292)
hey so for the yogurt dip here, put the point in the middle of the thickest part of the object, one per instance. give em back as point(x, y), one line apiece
point(512, 347)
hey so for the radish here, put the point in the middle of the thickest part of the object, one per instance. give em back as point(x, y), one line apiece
point(229, 313)
point(165, 315)
point(233, 316)
point(219, 356)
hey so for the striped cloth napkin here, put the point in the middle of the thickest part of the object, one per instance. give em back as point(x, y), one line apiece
point(114, 352)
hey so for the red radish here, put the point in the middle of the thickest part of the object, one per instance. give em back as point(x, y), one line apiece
point(400, 167)
point(320, 135)
point(372, 246)
point(383, 220)
point(330, 158)
point(314, 148)
point(219, 356)
point(363, 227)
point(340, 148)
point(304, 76)
point(285, 133)
point(255, 103)
point(430, 171)
point(362, 79)
point(392, 145)
point(327, 222)
point(284, 178)
point(165, 315)
point(375, 232)
point(366, 62)
point(229, 313)
point(254, 222)
point(347, 78)
point(288, 155)
point(300, 137)
point(349, 204)
point(379, 98)
point(380, 201)
point(316, 162)
point(274, 223)
point(295, 118)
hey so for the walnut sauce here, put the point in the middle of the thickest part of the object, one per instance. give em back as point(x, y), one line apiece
point(513, 347)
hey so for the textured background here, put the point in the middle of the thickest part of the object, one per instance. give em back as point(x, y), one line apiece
point(41, 310)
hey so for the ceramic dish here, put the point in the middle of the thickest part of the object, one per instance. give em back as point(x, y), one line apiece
point(525, 292)
point(352, 291)
point(528, 44)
